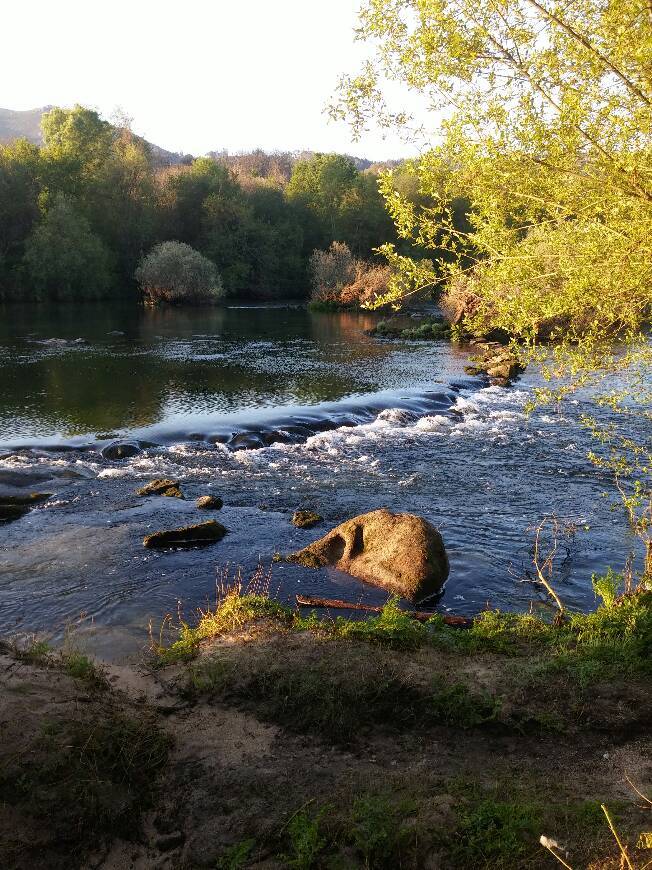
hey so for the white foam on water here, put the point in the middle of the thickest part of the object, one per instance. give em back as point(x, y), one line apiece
point(490, 413)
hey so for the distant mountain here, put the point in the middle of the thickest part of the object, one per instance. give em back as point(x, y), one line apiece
point(21, 125)
point(27, 125)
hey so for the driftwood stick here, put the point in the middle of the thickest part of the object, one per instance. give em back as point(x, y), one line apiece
point(338, 604)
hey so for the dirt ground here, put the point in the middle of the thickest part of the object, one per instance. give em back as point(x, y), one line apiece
point(249, 779)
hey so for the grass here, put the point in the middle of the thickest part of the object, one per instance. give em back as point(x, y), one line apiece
point(233, 611)
point(67, 659)
point(496, 835)
point(342, 679)
point(88, 777)
point(398, 825)
point(333, 693)
point(615, 639)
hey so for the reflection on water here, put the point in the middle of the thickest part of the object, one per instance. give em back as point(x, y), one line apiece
point(364, 424)
point(143, 366)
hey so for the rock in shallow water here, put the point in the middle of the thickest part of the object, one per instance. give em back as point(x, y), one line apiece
point(161, 486)
point(402, 553)
point(200, 535)
point(123, 450)
point(303, 519)
point(13, 507)
point(209, 503)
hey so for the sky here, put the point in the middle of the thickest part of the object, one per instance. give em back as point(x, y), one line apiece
point(194, 75)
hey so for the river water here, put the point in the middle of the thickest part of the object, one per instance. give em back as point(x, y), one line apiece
point(272, 408)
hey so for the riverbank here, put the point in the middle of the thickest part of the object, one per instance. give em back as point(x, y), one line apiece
point(269, 740)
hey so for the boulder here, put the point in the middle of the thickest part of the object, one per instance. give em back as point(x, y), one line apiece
point(120, 450)
point(500, 364)
point(200, 535)
point(209, 503)
point(161, 486)
point(402, 553)
point(303, 519)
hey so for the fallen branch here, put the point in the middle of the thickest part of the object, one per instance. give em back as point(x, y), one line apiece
point(338, 604)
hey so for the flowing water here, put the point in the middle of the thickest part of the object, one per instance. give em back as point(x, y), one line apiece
point(272, 408)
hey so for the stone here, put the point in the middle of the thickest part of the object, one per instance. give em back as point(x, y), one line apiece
point(304, 519)
point(500, 364)
point(209, 503)
point(120, 450)
point(161, 486)
point(200, 535)
point(401, 553)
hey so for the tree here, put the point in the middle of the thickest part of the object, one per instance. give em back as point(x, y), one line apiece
point(175, 273)
point(77, 144)
point(107, 171)
point(19, 210)
point(64, 259)
point(545, 125)
point(547, 131)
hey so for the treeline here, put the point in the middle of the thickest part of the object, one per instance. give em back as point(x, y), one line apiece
point(78, 213)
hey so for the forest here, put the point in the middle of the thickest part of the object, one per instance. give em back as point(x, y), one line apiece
point(78, 213)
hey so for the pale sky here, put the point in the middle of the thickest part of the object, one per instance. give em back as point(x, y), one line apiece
point(195, 75)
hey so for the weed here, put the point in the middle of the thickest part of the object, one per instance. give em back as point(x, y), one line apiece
point(305, 840)
point(236, 856)
point(614, 640)
point(36, 652)
point(326, 698)
point(90, 777)
point(81, 667)
point(211, 675)
point(393, 628)
point(455, 705)
point(606, 587)
point(376, 831)
point(493, 834)
point(232, 611)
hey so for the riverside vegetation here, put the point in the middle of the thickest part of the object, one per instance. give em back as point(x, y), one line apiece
point(267, 738)
point(79, 213)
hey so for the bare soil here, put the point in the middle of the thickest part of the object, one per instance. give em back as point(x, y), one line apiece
point(244, 765)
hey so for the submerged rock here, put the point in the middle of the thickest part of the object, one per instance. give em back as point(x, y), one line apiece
point(246, 441)
point(209, 503)
point(13, 507)
point(60, 342)
point(303, 519)
point(161, 486)
point(120, 450)
point(200, 535)
point(402, 553)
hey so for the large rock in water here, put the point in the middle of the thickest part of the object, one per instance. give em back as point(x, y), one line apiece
point(200, 535)
point(402, 553)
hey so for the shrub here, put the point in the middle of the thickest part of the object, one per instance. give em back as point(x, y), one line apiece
point(338, 279)
point(175, 273)
point(330, 271)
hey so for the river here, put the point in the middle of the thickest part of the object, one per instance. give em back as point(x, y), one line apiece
point(331, 419)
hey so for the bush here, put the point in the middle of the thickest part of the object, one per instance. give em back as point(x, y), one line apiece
point(330, 271)
point(338, 279)
point(175, 273)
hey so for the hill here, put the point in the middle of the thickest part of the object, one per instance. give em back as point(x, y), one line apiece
point(21, 125)
point(27, 125)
